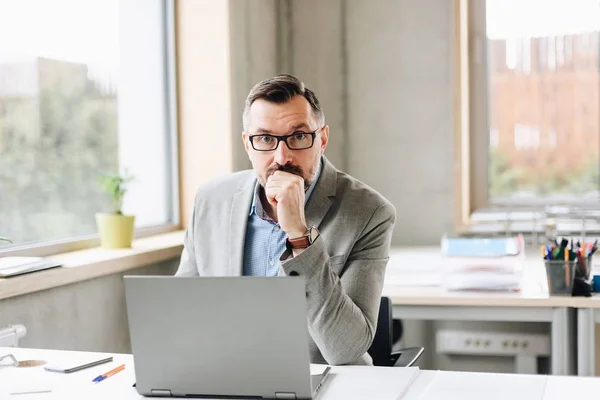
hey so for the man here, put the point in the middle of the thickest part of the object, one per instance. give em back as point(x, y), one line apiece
point(295, 214)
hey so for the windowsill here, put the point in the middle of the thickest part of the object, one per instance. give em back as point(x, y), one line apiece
point(82, 265)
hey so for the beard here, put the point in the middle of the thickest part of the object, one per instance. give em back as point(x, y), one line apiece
point(292, 169)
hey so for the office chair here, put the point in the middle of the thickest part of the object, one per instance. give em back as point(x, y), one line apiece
point(9, 337)
point(381, 348)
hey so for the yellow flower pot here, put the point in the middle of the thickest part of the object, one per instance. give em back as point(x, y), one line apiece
point(116, 231)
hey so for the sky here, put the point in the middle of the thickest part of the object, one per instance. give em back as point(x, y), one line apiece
point(536, 18)
point(83, 31)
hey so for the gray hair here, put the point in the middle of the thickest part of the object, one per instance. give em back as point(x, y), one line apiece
point(280, 89)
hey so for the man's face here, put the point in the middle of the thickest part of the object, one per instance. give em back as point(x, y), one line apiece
point(295, 116)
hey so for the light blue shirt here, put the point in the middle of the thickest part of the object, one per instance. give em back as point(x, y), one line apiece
point(265, 240)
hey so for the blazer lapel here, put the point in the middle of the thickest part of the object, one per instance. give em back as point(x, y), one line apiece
point(320, 200)
point(238, 221)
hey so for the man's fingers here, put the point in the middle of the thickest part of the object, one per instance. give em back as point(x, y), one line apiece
point(280, 177)
point(271, 192)
point(286, 175)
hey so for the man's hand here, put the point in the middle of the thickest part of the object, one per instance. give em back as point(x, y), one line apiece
point(285, 193)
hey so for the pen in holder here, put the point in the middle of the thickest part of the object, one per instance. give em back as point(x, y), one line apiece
point(568, 268)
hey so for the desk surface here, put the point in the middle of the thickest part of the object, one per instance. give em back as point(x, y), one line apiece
point(413, 277)
point(345, 382)
point(349, 382)
point(586, 302)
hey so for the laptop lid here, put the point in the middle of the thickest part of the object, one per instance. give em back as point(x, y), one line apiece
point(219, 336)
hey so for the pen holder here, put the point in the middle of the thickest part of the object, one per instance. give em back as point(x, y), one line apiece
point(561, 276)
point(569, 277)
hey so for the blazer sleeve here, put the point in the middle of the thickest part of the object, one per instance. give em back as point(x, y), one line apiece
point(342, 310)
point(187, 264)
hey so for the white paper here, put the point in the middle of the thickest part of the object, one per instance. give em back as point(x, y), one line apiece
point(481, 280)
point(414, 279)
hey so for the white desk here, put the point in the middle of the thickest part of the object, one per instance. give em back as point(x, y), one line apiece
point(419, 300)
point(372, 382)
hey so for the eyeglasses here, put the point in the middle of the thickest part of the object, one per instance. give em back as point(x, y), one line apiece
point(295, 141)
point(9, 360)
point(12, 361)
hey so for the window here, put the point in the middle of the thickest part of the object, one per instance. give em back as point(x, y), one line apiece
point(534, 120)
point(85, 89)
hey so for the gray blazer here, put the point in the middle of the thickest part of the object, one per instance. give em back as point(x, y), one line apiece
point(344, 268)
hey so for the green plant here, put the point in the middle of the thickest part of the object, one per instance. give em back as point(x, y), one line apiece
point(504, 178)
point(3, 239)
point(115, 185)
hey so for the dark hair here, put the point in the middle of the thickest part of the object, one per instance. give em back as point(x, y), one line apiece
point(280, 89)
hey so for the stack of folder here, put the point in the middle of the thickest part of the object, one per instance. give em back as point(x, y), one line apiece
point(490, 264)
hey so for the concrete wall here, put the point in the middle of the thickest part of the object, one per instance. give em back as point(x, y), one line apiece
point(317, 56)
point(400, 122)
point(254, 43)
point(383, 73)
point(87, 316)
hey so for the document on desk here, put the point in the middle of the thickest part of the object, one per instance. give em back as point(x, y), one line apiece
point(452, 385)
point(483, 274)
point(366, 382)
point(413, 279)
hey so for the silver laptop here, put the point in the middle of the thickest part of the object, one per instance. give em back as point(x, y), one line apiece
point(217, 337)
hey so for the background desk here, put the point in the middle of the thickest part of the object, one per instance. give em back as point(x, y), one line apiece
point(588, 315)
point(372, 382)
point(413, 280)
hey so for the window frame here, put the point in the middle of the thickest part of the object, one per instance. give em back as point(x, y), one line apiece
point(64, 245)
point(471, 112)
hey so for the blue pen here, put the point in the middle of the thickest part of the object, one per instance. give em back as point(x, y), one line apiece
point(105, 375)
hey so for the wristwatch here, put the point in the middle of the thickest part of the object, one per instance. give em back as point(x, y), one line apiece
point(303, 242)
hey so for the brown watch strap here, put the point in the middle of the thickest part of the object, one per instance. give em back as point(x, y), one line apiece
point(299, 243)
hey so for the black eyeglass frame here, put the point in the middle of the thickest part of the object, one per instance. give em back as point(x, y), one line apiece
point(285, 138)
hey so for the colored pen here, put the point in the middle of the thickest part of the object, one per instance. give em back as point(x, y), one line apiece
point(105, 375)
point(567, 270)
point(544, 252)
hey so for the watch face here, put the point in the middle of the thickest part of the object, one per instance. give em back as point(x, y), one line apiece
point(313, 234)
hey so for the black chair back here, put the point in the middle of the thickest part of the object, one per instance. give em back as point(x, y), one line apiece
point(381, 348)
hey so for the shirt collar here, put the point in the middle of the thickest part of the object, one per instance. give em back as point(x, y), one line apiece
point(257, 208)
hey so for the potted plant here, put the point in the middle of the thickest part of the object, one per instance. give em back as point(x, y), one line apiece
point(115, 229)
